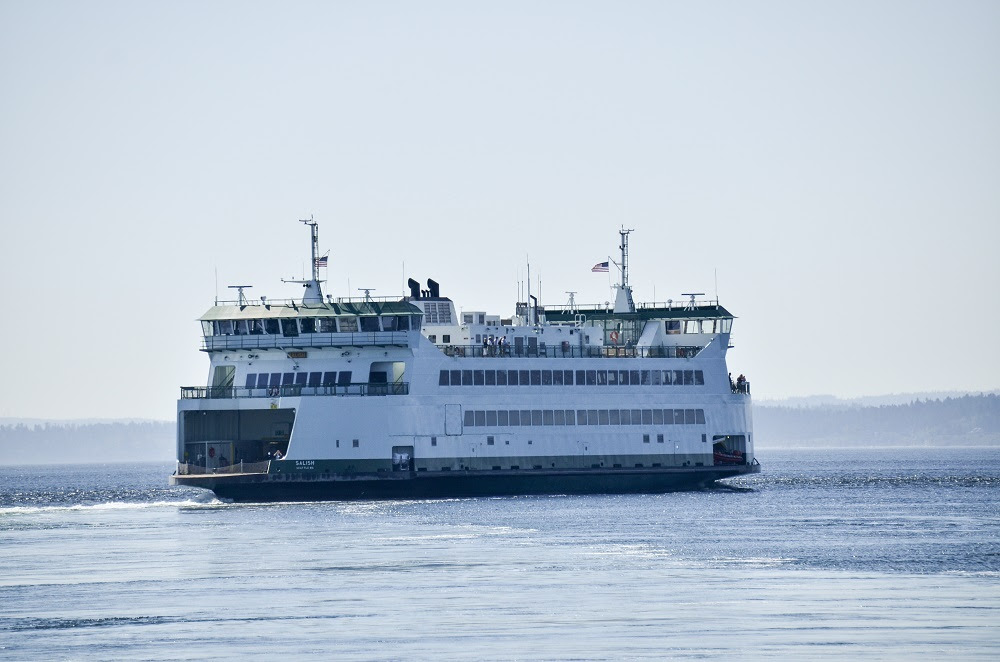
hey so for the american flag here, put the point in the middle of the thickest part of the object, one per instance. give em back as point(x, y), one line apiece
point(321, 261)
point(600, 266)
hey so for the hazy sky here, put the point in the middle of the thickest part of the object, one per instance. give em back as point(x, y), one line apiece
point(837, 164)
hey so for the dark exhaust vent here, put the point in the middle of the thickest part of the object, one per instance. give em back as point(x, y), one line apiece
point(414, 288)
point(435, 289)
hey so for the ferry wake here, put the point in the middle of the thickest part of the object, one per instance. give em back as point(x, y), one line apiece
point(329, 398)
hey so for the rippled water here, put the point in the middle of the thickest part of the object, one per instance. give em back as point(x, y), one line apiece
point(827, 554)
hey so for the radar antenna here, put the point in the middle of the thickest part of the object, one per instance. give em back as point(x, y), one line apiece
point(692, 303)
point(241, 298)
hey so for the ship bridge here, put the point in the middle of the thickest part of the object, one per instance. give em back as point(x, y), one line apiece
point(342, 322)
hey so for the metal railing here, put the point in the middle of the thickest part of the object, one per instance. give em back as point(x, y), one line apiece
point(238, 468)
point(562, 351)
point(275, 341)
point(292, 391)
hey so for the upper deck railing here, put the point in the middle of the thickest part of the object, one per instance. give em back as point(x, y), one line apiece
point(298, 302)
point(647, 305)
point(292, 391)
point(567, 351)
point(275, 341)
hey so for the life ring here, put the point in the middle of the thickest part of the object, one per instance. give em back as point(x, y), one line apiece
point(272, 392)
point(614, 337)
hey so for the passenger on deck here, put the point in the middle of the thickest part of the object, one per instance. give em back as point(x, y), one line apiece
point(277, 454)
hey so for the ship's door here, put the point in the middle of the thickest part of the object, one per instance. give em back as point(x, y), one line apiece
point(453, 420)
point(532, 346)
point(402, 459)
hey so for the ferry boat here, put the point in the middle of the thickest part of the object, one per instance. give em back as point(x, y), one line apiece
point(405, 397)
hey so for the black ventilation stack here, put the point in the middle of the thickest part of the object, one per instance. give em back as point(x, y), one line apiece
point(414, 288)
point(434, 288)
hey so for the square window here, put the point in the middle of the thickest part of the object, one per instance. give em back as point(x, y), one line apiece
point(570, 417)
point(592, 417)
point(689, 417)
point(480, 418)
point(689, 377)
point(612, 378)
point(301, 378)
point(523, 376)
point(699, 416)
point(536, 377)
point(636, 417)
point(262, 380)
point(546, 378)
point(315, 378)
point(251, 380)
point(699, 378)
point(456, 377)
point(445, 338)
point(568, 377)
point(443, 378)
point(491, 419)
point(344, 378)
point(678, 417)
point(470, 418)
point(501, 377)
point(515, 418)
point(623, 377)
point(288, 378)
point(466, 378)
point(491, 378)
point(626, 416)
point(478, 377)
point(512, 379)
point(602, 378)
point(502, 419)
point(581, 377)
point(645, 438)
point(489, 441)
point(591, 378)
point(678, 377)
point(647, 416)
point(356, 443)
point(434, 441)
point(525, 417)
point(581, 417)
point(659, 438)
point(547, 417)
point(602, 417)
point(329, 379)
point(614, 417)
point(633, 376)
point(657, 415)
point(645, 378)
point(536, 416)
point(557, 377)
point(559, 417)
point(656, 375)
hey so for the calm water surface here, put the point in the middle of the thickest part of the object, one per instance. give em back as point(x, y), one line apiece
point(877, 554)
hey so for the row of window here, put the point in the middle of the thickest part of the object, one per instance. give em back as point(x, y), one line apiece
point(529, 417)
point(291, 327)
point(571, 377)
point(275, 379)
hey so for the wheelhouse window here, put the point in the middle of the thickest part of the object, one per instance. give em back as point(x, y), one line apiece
point(289, 328)
point(348, 324)
point(308, 324)
point(369, 323)
point(272, 327)
point(388, 322)
point(327, 325)
point(402, 323)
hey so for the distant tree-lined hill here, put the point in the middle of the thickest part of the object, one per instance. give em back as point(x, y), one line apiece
point(75, 443)
point(968, 420)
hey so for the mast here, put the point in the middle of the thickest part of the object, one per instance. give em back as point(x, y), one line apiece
point(623, 300)
point(624, 247)
point(313, 292)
